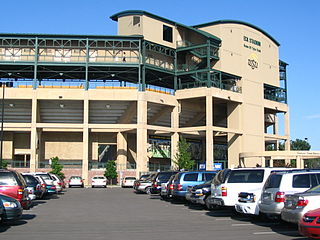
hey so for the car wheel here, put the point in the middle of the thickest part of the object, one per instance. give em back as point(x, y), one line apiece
point(92, 186)
point(148, 190)
point(82, 186)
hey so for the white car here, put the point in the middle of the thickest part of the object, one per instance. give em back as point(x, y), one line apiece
point(99, 181)
point(128, 182)
point(75, 181)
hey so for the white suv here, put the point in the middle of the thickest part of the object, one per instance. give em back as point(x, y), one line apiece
point(280, 184)
point(240, 181)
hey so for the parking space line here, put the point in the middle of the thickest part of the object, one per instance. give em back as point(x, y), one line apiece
point(223, 219)
point(241, 224)
point(263, 233)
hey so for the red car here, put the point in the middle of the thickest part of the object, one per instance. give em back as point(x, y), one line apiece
point(12, 184)
point(309, 224)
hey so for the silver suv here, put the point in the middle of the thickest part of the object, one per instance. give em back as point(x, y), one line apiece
point(280, 184)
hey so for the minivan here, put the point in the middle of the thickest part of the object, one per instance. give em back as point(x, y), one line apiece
point(280, 184)
point(183, 180)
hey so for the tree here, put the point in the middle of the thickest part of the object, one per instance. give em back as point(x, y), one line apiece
point(111, 170)
point(299, 144)
point(56, 167)
point(183, 156)
point(4, 164)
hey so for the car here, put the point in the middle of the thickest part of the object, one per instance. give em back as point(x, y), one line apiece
point(166, 188)
point(240, 180)
point(296, 205)
point(12, 184)
point(51, 188)
point(1, 211)
point(128, 182)
point(12, 209)
point(309, 224)
point(183, 180)
point(158, 179)
point(199, 194)
point(75, 181)
point(279, 184)
point(57, 182)
point(33, 186)
point(42, 184)
point(99, 181)
point(143, 186)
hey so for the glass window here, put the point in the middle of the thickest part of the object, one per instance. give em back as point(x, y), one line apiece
point(246, 176)
point(314, 181)
point(208, 176)
point(167, 33)
point(136, 20)
point(190, 177)
point(301, 181)
point(30, 180)
point(273, 181)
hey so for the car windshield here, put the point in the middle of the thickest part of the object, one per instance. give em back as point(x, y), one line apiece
point(130, 178)
point(246, 176)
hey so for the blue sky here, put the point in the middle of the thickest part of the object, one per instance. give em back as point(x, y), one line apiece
point(295, 24)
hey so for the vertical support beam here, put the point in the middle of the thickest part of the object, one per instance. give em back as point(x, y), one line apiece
point(34, 134)
point(175, 78)
point(36, 58)
point(209, 131)
point(276, 125)
point(142, 77)
point(287, 130)
point(209, 83)
point(85, 141)
point(175, 134)
point(121, 151)
point(299, 162)
point(87, 65)
point(142, 135)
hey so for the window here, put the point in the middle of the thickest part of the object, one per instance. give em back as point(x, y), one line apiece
point(273, 181)
point(136, 20)
point(167, 33)
point(246, 176)
point(208, 176)
point(301, 181)
point(191, 177)
point(7, 179)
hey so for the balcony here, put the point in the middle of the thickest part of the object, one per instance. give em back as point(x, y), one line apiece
point(275, 93)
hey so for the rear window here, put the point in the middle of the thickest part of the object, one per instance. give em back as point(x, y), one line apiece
point(273, 181)
point(74, 177)
point(30, 180)
point(208, 176)
point(246, 176)
point(45, 176)
point(301, 181)
point(7, 179)
point(98, 177)
point(190, 177)
point(165, 176)
point(221, 176)
point(130, 178)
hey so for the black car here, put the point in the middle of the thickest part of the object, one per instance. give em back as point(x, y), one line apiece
point(158, 179)
point(199, 193)
point(12, 209)
point(33, 186)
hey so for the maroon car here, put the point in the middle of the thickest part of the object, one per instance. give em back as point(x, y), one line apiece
point(12, 184)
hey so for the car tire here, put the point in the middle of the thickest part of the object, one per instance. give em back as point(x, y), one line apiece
point(148, 190)
point(92, 186)
point(82, 186)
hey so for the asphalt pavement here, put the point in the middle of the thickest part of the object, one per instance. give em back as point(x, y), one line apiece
point(120, 214)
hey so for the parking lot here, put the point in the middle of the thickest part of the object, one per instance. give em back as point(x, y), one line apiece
point(118, 214)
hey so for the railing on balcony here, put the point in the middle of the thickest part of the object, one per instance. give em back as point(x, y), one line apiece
point(275, 93)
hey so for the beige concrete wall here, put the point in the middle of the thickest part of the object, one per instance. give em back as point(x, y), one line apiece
point(126, 27)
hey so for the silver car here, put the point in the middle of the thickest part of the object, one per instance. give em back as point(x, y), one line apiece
point(296, 205)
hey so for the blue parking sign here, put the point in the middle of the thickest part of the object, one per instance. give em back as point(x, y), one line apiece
point(217, 166)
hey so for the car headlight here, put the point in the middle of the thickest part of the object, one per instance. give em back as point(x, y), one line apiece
point(10, 204)
point(205, 190)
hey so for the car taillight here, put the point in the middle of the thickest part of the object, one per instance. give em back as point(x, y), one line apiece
point(59, 183)
point(179, 187)
point(171, 186)
point(279, 197)
point(155, 184)
point(224, 192)
point(43, 185)
point(20, 193)
point(30, 191)
point(302, 203)
point(38, 187)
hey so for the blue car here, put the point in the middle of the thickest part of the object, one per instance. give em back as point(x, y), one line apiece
point(183, 180)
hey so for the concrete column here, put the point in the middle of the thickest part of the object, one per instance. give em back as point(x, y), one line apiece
point(121, 151)
point(34, 134)
point(234, 141)
point(287, 130)
point(142, 135)
point(299, 162)
point(85, 141)
point(263, 162)
point(175, 135)
point(209, 131)
point(276, 125)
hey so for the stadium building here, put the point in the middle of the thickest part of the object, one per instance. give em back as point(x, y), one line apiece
point(89, 99)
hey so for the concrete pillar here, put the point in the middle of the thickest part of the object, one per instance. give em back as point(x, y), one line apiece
point(299, 162)
point(263, 162)
point(276, 125)
point(175, 135)
point(85, 142)
point(121, 151)
point(271, 162)
point(234, 141)
point(287, 130)
point(34, 134)
point(209, 131)
point(142, 135)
